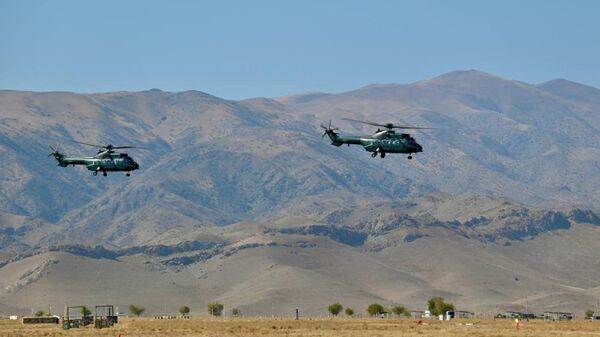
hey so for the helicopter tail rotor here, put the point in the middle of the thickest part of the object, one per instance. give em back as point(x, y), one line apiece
point(328, 129)
point(57, 155)
point(331, 133)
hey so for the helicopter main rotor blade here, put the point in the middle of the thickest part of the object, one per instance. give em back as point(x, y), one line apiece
point(109, 146)
point(94, 145)
point(364, 122)
point(389, 125)
point(412, 127)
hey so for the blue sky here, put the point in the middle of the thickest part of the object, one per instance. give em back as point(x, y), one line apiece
point(241, 49)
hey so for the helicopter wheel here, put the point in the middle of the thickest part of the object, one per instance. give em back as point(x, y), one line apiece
point(382, 155)
point(409, 157)
point(104, 174)
point(95, 173)
point(127, 174)
point(374, 154)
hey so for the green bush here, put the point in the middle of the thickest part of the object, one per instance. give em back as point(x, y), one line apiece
point(215, 309)
point(349, 311)
point(399, 310)
point(335, 309)
point(184, 310)
point(85, 311)
point(136, 310)
point(437, 306)
point(375, 309)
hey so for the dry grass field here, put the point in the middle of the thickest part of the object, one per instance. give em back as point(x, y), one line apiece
point(146, 327)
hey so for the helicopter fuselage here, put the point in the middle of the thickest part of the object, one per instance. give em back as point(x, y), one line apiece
point(381, 142)
point(105, 162)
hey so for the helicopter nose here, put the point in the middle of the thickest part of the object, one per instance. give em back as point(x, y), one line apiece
point(419, 148)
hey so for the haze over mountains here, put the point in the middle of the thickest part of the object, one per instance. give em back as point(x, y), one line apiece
point(244, 202)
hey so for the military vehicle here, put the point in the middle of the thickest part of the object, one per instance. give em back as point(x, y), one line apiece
point(381, 142)
point(106, 160)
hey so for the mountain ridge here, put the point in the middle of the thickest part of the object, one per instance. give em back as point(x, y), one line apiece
point(250, 206)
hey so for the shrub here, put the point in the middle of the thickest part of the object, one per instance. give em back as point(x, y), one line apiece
point(375, 309)
point(437, 306)
point(136, 310)
point(399, 310)
point(335, 309)
point(184, 310)
point(85, 311)
point(215, 309)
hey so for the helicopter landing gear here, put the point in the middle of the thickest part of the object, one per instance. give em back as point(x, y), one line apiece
point(104, 174)
point(374, 154)
point(409, 156)
point(95, 173)
point(127, 174)
point(382, 155)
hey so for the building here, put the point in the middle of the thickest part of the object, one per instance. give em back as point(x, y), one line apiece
point(519, 314)
point(558, 316)
point(420, 314)
point(458, 314)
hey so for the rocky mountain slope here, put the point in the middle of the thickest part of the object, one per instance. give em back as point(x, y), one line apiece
point(482, 253)
point(246, 203)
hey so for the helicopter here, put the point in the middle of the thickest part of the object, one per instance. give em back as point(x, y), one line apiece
point(106, 160)
point(381, 142)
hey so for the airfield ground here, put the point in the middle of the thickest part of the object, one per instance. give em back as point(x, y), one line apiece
point(146, 327)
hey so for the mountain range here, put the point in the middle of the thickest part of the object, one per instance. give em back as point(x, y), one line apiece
point(245, 203)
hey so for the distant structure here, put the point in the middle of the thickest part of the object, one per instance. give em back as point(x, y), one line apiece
point(519, 314)
point(458, 314)
point(74, 318)
point(41, 320)
point(420, 314)
point(558, 316)
point(105, 316)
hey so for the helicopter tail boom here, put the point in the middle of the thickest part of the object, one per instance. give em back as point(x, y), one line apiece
point(335, 139)
point(60, 158)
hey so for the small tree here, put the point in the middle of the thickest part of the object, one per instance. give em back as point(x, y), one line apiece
point(589, 313)
point(235, 312)
point(437, 306)
point(399, 310)
point(375, 309)
point(215, 309)
point(85, 311)
point(40, 313)
point(349, 311)
point(136, 310)
point(335, 309)
point(184, 310)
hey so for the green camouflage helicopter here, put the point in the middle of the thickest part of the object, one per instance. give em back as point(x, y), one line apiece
point(106, 160)
point(383, 141)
